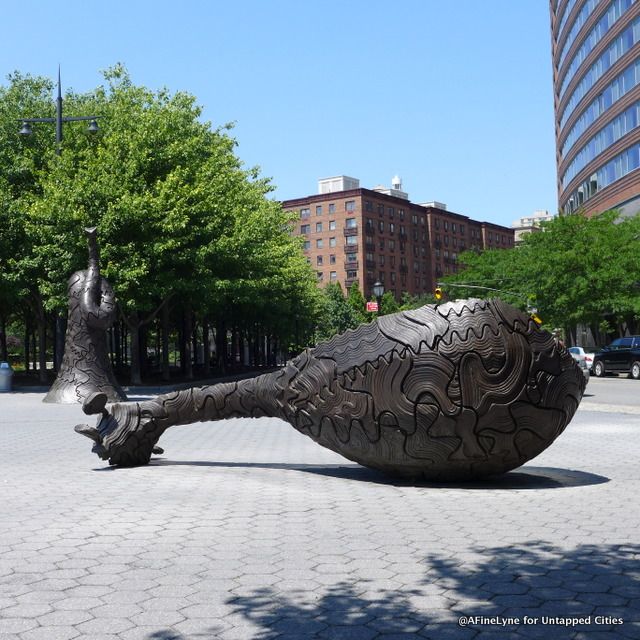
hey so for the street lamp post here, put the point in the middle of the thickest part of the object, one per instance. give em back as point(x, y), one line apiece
point(59, 119)
point(26, 130)
point(378, 292)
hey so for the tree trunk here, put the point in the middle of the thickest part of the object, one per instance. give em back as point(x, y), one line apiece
point(4, 355)
point(206, 370)
point(188, 356)
point(166, 370)
point(221, 345)
point(27, 338)
point(134, 331)
point(41, 318)
point(59, 336)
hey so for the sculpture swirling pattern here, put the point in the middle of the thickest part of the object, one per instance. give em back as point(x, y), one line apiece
point(86, 368)
point(446, 392)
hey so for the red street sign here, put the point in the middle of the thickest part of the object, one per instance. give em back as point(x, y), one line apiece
point(372, 307)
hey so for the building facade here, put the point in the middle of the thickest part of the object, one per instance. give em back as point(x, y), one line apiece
point(596, 80)
point(352, 234)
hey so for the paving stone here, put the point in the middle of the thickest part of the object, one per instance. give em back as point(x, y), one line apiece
point(240, 549)
point(51, 633)
point(16, 625)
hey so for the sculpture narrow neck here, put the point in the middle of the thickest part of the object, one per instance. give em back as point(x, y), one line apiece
point(94, 252)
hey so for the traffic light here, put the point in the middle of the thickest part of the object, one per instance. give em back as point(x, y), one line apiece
point(438, 293)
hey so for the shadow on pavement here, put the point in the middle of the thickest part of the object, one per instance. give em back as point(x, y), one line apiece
point(527, 477)
point(552, 586)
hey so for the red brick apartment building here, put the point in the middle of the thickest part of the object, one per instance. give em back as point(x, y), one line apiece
point(361, 235)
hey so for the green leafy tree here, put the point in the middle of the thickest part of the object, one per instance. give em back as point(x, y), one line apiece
point(577, 271)
point(356, 301)
point(181, 221)
point(338, 314)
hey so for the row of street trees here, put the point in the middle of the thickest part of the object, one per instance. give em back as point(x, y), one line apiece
point(579, 272)
point(187, 235)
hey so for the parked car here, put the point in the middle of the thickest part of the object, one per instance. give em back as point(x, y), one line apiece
point(581, 359)
point(621, 356)
point(588, 355)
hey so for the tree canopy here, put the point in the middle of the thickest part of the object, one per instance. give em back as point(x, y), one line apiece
point(180, 219)
point(577, 271)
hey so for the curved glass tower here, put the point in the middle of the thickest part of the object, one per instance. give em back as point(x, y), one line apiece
point(596, 80)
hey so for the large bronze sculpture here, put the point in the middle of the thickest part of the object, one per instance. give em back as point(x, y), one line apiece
point(446, 392)
point(86, 368)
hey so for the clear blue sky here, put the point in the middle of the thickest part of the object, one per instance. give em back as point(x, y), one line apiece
point(455, 97)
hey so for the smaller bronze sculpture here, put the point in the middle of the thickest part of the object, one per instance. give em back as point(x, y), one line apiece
point(446, 392)
point(86, 368)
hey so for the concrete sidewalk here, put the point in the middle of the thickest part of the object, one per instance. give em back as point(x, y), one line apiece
point(247, 529)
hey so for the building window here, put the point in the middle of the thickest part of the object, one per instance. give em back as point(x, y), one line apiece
point(368, 205)
point(453, 227)
point(392, 245)
point(437, 223)
point(320, 275)
point(461, 228)
point(332, 207)
point(392, 262)
point(319, 243)
point(381, 276)
point(318, 227)
point(352, 274)
point(392, 212)
point(380, 209)
point(307, 245)
point(414, 218)
point(350, 205)
point(392, 227)
point(381, 225)
point(332, 242)
point(333, 275)
point(392, 277)
point(352, 257)
point(305, 228)
point(332, 225)
point(352, 239)
point(305, 213)
point(369, 256)
point(446, 225)
point(381, 260)
point(332, 258)
point(319, 260)
point(381, 244)
point(318, 209)
point(350, 223)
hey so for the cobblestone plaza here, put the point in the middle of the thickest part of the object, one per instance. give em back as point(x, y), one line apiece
point(247, 529)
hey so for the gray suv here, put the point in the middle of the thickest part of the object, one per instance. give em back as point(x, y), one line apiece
point(621, 356)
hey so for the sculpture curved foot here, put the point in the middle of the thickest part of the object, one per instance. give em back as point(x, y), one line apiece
point(126, 434)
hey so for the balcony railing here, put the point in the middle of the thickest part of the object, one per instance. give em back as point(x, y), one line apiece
point(352, 231)
point(349, 281)
point(351, 248)
point(351, 266)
